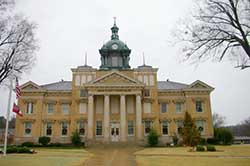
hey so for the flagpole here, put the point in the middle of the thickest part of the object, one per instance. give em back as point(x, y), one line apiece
point(7, 115)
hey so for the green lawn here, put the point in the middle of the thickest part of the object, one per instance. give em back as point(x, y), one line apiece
point(47, 156)
point(237, 155)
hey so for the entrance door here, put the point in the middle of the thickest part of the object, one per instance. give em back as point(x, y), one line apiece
point(115, 132)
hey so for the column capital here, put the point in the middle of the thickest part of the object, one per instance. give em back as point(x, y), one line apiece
point(90, 95)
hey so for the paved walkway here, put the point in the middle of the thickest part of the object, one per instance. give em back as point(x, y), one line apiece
point(109, 155)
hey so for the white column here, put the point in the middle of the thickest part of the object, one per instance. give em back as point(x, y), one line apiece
point(106, 117)
point(90, 117)
point(123, 118)
point(138, 117)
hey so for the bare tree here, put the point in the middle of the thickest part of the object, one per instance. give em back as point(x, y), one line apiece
point(218, 120)
point(221, 28)
point(17, 42)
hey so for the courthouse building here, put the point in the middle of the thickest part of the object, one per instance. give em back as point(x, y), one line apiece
point(115, 103)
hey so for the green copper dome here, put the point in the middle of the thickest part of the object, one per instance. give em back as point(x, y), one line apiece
point(115, 53)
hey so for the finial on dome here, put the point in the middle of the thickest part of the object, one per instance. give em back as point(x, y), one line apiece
point(114, 20)
point(114, 30)
point(85, 64)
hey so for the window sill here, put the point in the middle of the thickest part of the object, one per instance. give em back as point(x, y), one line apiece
point(165, 135)
point(28, 135)
point(99, 136)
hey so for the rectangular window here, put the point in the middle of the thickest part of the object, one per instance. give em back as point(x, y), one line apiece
point(130, 127)
point(98, 127)
point(146, 93)
point(29, 108)
point(83, 108)
point(147, 108)
point(81, 128)
point(164, 127)
point(50, 108)
point(179, 125)
point(83, 79)
point(83, 93)
point(151, 80)
point(64, 128)
point(163, 107)
point(27, 128)
point(65, 109)
point(178, 107)
point(198, 106)
point(77, 80)
point(200, 126)
point(49, 129)
point(147, 127)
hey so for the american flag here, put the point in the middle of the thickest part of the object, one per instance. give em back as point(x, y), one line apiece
point(18, 90)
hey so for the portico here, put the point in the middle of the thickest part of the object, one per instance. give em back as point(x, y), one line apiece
point(115, 113)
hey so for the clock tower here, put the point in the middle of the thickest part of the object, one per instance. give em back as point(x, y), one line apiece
point(114, 53)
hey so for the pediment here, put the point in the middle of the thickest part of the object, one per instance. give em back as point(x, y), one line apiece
point(30, 86)
point(200, 85)
point(115, 78)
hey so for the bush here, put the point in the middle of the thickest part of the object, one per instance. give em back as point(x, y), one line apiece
point(200, 148)
point(11, 149)
point(19, 150)
point(212, 141)
point(202, 141)
point(153, 138)
point(175, 139)
point(28, 144)
point(57, 144)
point(44, 140)
point(23, 150)
point(211, 148)
point(76, 139)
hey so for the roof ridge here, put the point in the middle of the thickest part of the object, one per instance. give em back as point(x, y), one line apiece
point(54, 83)
point(174, 82)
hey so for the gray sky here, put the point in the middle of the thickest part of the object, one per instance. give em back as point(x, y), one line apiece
point(66, 29)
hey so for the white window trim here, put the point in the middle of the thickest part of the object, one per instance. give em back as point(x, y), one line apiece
point(46, 130)
point(151, 123)
point(30, 110)
point(176, 107)
point(150, 108)
point(27, 135)
point(131, 135)
point(77, 80)
point(161, 108)
point(63, 109)
point(204, 127)
point(85, 128)
point(50, 113)
point(85, 111)
point(96, 129)
point(177, 127)
point(162, 129)
point(67, 129)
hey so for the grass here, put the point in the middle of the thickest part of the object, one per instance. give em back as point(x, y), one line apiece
point(47, 156)
point(236, 155)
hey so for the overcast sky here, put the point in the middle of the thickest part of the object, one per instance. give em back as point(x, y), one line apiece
point(66, 29)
